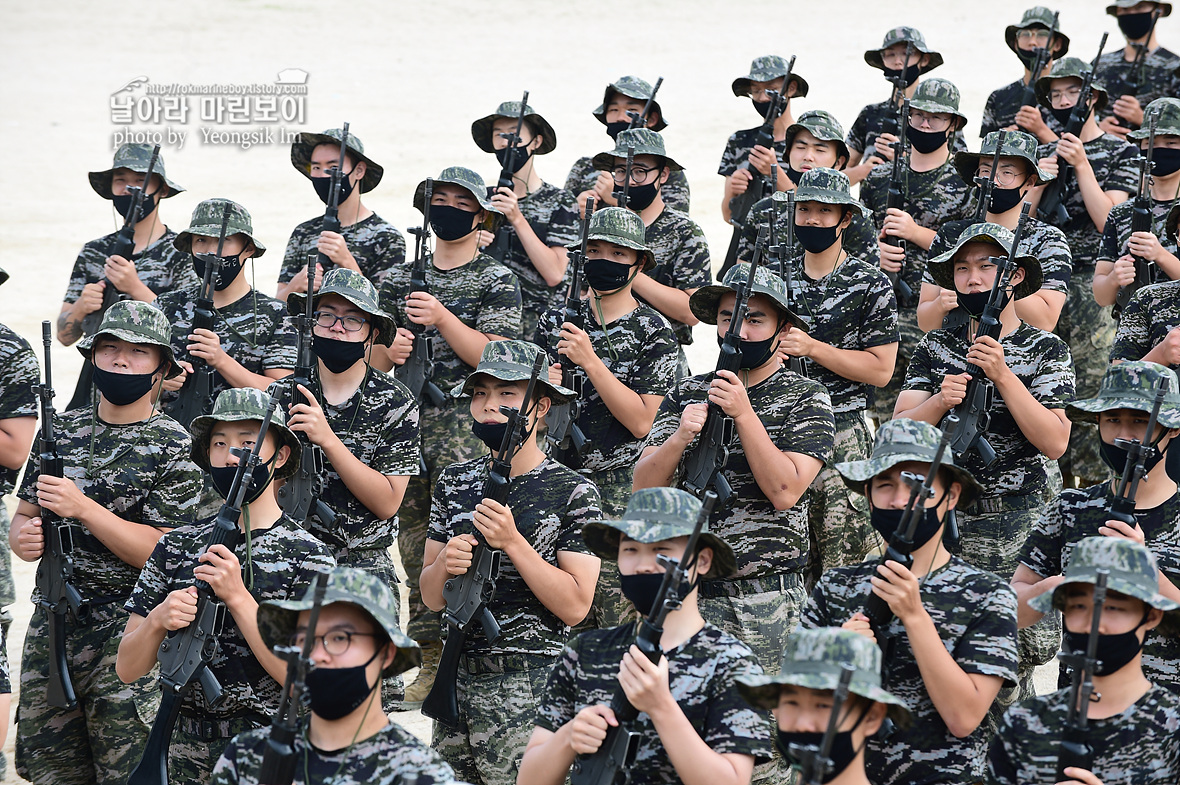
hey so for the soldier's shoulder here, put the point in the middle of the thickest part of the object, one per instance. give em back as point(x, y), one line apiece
point(675, 222)
point(861, 271)
point(981, 583)
point(14, 346)
point(652, 321)
point(298, 539)
point(310, 226)
point(1042, 339)
point(879, 173)
point(556, 475)
point(173, 300)
point(1040, 231)
point(555, 194)
point(464, 470)
point(387, 389)
point(795, 388)
point(484, 266)
point(262, 299)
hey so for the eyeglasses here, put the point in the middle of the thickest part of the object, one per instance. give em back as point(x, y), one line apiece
point(936, 122)
point(327, 320)
point(1071, 93)
point(639, 174)
point(335, 643)
point(1006, 176)
point(1032, 34)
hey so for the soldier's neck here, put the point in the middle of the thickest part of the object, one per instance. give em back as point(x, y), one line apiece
point(818, 265)
point(136, 411)
point(650, 213)
point(232, 293)
point(149, 230)
point(783, 122)
point(1165, 188)
point(526, 181)
point(925, 162)
point(1118, 691)
point(352, 210)
point(1132, 47)
point(682, 624)
point(1090, 130)
point(854, 774)
point(339, 387)
point(264, 511)
point(613, 306)
point(451, 255)
point(528, 458)
point(1154, 489)
point(337, 735)
point(930, 557)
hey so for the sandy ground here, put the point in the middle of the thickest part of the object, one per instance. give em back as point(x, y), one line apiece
point(410, 76)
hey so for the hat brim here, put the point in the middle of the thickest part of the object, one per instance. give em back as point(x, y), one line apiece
point(600, 112)
point(485, 203)
point(199, 449)
point(704, 302)
point(302, 148)
point(86, 344)
point(933, 107)
point(602, 538)
point(183, 241)
point(762, 692)
point(101, 182)
point(512, 373)
point(856, 473)
point(841, 145)
point(967, 165)
point(873, 58)
point(741, 85)
point(481, 132)
point(942, 268)
point(1087, 409)
point(1166, 8)
point(1055, 600)
point(384, 327)
point(825, 196)
point(1010, 39)
point(1097, 90)
point(606, 160)
point(645, 255)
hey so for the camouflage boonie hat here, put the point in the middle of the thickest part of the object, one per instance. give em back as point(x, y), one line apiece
point(206, 221)
point(814, 659)
point(653, 515)
point(135, 157)
point(1167, 122)
point(901, 35)
point(1166, 8)
point(942, 268)
point(1017, 144)
point(278, 620)
point(1037, 16)
point(937, 96)
point(826, 185)
point(704, 301)
point(135, 322)
point(645, 142)
point(1131, 385)
point(1065, 68)
point(766, 68)
point(306, 143)
point(901, 441)
point(359, 291)
point(512, 361)
point(620, 226)
point(823, 126)
point(462, 177)
point(632, 87)
point(244, 403)
point(1132, 571)
point(481, 129)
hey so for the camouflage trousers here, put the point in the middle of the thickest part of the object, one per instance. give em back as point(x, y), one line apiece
point(838, 519)
point(881, 408)
point(498, 699)
point(610, 607)
point(198, 743)
point(446, 439)
point(102, 739)
point(1089, 330)
point(761, 612)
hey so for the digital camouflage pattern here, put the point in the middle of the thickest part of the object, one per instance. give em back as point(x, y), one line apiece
point(19, 371)
point(702, 678)
point(511, 361)
point(838, 519)
point(621, 227)
point(242, 404)
point(632, 87)
point(1003, 105)
point(1037, 17)
point(901, 35)
point(376, 245)
point(135, 322)
point(1017, 144)
point(135, 157)
point(1156, 77)
point(1132, 385)
point(859, 240)
point(641, 141)
point(1044, 242)
point(1131, 570)
point(766, 68)
point(870, 124)
point(1148, 318)
point(974, 613)
point(901, 440)
point(393, 756)
point(206, 222)
point(1117, 233)
point(160, 266)
point(740, 144)
point(706, 301)
point(1140, 745)
point(356, 289)
point(682, 259)
point(937, 95)
point(550, 505)
point(675, 193)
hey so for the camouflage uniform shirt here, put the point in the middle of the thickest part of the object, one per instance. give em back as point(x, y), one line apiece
point(1156, 76)
point(1044, 241)
point(859, 239)
point(161, 267)
point(1148, 318)
point(974, 613)
point(139, 471)
point(738, 148)
point(675, 193)
point(392, 756)
point(1078, 513)
point(1041, 361)
point(641, 352)
point(1003, 105)
point(278, 564)
point(375, 244)
point(682, 258)
point(1118, 233)
point(1140, 746)
point(550, 505)
point(17, 399)
point(870, 123)
point(797, 415)
point(701, 678)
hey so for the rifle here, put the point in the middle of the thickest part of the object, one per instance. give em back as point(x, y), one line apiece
point(893, 124)
point(1135, 72)
point(1052, 207)
point(1028, 96)
point(1122, 506)
point(1141, 221)
point(974, 411)
point(639, 119)
point(469, 594)
point(301, 496)
point(895, 198)
point(986, 184)
point(796, 364)
point(185, 654)
point(278, 761)
point(703, 462)
point(124, 246)
point(197, 393)
point(1075, 749)
point(498, 250)
point(565, 436)
point(417, 372)
point(814, 764)
point(55, 571)
point(331, 222)
point(622, 196)
point(616, 755)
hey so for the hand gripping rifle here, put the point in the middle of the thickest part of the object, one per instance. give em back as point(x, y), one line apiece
point(469, 594)
point(612, 761)
point(55, 571)
point(892, 124)
point(124, 246)
point(796, 364)
point(974, 411)
point(1135, 72)
point(331, 222)
point(622, 194)
point(814, 764)
point(1075, 749)
point(417, 372)
point(986, 184)
point(639, 119)
point(498, 250)
point(895, 198)
point(278, 760)
point(301, 496)
point(1122, 506)
point(1028, 97)
point(1052, 206)
point(1141, 221)
point(185, 654)
point(197, 393)
point(565, 436)
point(703, 462)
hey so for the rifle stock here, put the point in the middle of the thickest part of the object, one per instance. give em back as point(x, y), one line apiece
point(1075, 749)
point(1141, 222)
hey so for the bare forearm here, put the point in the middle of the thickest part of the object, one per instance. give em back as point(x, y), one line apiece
point(434, 575)
point(549, 262)
point(954, 694)
point(692, 758)
point(930, 310)
point(566, 595)
point(931, 410)
point(138, 647)
point(1104, 285)
point(16, 439)
point(467, 342)
point(69, 326)
point(857, 365)
point(671, 302)
point(245, 613)
point(236, 375)
point(548, 759)
point(131, 542)
point(657, 467)
point(1041, 309)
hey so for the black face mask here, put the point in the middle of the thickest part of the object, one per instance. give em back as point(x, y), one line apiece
point(1003, 200)
point(1135, 26)
point(260, 477)
point(816, 239)
point(614, 129)
point(762, 107)
point(926, 141)
point(522, 157)
point(974, 303)
point(794, 175)
point(754, 353)
point(606, 276)
point(911, 74)
point(451, 223)
point(338, 356)
point(490, 433)
point(1061, 115)
point(338, 692)
point(1116, 458)
point(842, 755)
point(323, 188)
point(122, 389)
point(641, 590)
point(1164, 161)
point(886, 521)
point(1027, 57)
point(226, 273)
point(124, 203)
point(639, 197)
point(1114, 651)
point(1172, 461)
